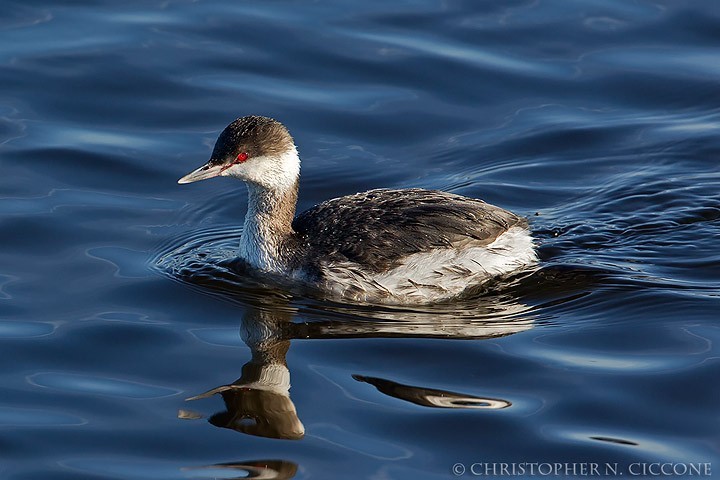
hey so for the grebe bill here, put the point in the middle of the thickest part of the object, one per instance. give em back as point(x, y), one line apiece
point(405, 246)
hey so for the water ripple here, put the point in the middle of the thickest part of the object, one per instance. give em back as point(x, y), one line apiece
point(112, 387)
point(25, 329)
point(26, 417)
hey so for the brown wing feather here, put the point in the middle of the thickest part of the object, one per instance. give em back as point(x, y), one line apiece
point(380, 227)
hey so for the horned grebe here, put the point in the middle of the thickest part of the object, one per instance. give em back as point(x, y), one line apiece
point(381, 246)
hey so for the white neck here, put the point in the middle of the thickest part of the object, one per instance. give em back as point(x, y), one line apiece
point(271, 208)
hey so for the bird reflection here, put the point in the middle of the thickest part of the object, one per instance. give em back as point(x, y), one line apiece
point(257, 469)
point(430, 397)
point(259, 403)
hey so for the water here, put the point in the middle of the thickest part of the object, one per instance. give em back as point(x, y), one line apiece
point(598, 120)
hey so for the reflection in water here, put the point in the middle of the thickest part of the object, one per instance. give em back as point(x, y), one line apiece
point(257, 469)
point(618, 441)
point(259, 403)
point(430, 397)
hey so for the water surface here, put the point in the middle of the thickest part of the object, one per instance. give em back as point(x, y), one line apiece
point(597, 120)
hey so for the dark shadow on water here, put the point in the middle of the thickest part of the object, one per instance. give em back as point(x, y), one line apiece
point(617, 441)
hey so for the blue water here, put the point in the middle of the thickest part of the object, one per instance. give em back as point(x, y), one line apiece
point(600, 121)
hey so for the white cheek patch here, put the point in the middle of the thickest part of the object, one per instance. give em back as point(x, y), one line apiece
point(276, 173)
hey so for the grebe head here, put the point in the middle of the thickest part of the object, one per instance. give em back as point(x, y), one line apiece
point(255, 149)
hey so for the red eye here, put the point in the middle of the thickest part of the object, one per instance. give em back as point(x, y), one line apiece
point(242, 157)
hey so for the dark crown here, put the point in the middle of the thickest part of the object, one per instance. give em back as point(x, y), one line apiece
point(257, 136)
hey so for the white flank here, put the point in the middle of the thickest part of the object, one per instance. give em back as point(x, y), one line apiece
point(436, 275)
